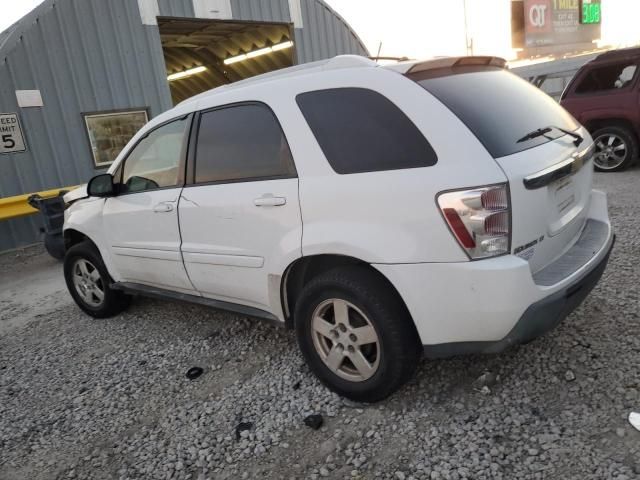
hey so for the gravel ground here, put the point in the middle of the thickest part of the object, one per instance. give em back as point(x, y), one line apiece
point(81, 398)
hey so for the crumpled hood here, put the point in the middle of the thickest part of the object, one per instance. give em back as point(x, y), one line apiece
point(76, 194)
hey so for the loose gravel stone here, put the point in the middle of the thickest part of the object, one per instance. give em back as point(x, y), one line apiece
point(97, 399)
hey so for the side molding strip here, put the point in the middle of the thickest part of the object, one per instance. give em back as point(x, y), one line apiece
point(154, 292)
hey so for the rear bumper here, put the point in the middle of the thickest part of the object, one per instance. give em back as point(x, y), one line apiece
point(540, 318)
point(489, 305)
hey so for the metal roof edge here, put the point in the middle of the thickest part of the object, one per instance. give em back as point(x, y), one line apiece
point(9, 37)
point(346, 24)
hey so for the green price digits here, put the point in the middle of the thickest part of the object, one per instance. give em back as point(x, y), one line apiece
point(591, 13)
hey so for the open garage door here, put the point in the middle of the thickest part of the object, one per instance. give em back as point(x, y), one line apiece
point(204, 54)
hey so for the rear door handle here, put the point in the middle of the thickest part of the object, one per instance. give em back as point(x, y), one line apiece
point(268, 200)
point(164, 207)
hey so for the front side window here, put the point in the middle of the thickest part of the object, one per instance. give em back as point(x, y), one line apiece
point(243, 142)
point(154, 162)
point(360, 131)
point(611, 77)
point(109, 133)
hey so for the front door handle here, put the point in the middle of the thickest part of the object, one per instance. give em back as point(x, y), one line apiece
point(268, 200)
point(164, 207)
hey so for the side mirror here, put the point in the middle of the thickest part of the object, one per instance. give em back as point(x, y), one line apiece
point(101, 186)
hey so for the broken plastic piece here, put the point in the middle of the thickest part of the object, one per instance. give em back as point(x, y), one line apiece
point(194, 373)
point(314, 421)
point(634, 420)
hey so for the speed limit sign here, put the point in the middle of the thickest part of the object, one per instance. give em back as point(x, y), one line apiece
point(11, 138)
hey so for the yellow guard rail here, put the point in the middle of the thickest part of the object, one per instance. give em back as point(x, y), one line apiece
point(16, 207)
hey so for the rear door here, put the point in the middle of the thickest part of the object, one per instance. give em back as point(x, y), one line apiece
point(549, 175)
point(141, 222)
point(239, 213)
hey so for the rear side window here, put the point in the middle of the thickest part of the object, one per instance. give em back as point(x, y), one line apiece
point(360, 130)
point(243, 142)
point(611, 77)
point(497, 106)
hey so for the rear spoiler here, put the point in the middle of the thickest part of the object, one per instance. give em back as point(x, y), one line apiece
point(447, 65)
point(458, 62)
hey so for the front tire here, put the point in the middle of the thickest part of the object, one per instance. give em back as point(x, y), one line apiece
point(356, 334)
point(89, 282)
point(616, 149)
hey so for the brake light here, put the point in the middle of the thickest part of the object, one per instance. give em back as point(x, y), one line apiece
point(480, 219)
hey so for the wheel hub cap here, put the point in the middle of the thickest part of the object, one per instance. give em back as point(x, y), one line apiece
point(345, 340)
point(88, 283)
point(611, 151)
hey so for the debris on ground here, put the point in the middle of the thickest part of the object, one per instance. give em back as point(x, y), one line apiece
point(243, 429)
point(314, 421)
point(487, 379)
point(194, 373)
point(634, 420)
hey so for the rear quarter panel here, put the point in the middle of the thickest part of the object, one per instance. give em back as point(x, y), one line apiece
point(389, 216)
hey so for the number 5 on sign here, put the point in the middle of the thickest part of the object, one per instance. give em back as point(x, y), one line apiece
point(11, 138)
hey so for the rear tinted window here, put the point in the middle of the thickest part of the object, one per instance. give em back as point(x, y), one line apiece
point(498, 107)
point(243, 142)
point(360, 130)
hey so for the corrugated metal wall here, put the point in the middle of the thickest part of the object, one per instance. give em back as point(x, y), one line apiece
point(176, 8)
point(259, 10)
point(96, 55)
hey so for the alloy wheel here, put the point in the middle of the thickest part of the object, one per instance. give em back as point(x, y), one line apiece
point(346, 340)
point(88, 283)
point(611, 151)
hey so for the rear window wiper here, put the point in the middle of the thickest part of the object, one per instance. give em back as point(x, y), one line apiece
point(541, 132)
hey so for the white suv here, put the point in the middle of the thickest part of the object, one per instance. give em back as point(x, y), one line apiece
point(382, 212)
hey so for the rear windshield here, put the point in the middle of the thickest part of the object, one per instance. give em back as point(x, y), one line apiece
point(498, 107)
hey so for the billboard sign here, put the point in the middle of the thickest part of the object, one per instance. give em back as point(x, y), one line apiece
point(557, 22)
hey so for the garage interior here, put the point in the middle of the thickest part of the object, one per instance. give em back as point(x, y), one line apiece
point(228, 50)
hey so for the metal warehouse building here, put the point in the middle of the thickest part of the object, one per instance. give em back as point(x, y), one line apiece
point(79, 77)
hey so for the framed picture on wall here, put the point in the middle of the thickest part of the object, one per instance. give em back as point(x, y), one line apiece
point(109, 132)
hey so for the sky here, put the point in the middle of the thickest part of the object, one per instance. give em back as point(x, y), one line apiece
point(412, 28)
point(433, 27)
point(13, 10)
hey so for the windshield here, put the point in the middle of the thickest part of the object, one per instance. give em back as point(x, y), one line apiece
point(498, 107)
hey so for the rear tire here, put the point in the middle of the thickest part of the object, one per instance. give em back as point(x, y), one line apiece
point(616, 149)
point(89, 282)
point(356, 334)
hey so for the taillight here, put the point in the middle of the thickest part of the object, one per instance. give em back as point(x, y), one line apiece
point(480, 219)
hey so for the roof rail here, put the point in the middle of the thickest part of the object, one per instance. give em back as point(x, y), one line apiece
point(349, 61)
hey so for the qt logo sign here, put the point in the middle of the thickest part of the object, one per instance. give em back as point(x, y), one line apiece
point(538, 15)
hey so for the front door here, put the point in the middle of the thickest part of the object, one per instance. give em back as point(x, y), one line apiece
point(239, 214)
point(141, 222)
